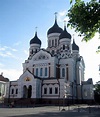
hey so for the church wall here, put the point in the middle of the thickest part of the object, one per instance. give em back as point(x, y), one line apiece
point(59, 84)
point(68, 63)
point(87, 91)
point(80, 73)
point(53, 37)
point(7, 89)
point(38, 89)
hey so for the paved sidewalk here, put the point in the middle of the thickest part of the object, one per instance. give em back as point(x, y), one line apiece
point(50, 111)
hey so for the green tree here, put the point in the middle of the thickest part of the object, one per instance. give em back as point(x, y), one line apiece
point(97, 91)
point(97, 87)
point(85, 18)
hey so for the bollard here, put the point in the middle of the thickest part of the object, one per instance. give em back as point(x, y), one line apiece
point(78, 109)
point(89, 109)
point(68, 107)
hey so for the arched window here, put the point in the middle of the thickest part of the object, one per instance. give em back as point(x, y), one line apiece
point(56, 90)
point(52, 42)
point(35, 50)
point(45, 90)
point(63, 47)
point(41, 70)
point(63, 72)
point(49, 43)
point(55, 42)
point(36, 71)
point(31, 52)
point(46, 71)
point(16, 91)
point(50, 90)
point(53, 52)
point(12, 91)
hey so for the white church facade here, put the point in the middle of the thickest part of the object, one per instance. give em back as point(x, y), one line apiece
point(52, 74)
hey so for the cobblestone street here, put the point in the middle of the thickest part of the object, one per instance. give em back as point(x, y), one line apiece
point(51, 111)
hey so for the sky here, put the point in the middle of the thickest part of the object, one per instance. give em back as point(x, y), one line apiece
point(18, 22)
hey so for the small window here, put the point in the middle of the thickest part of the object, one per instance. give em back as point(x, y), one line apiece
point(63, 72)
point(36, 71)
point(49, 43)
point(45, 90)
point(12, 91)
point(35, 50)
point(63, 47)
point(41, 70)
point(55, 42)
point(31, 51)
point(53, 52)
point(16, 91)
point(56, 90)
point(50, 90)
point(46, 71)
point(52, 42)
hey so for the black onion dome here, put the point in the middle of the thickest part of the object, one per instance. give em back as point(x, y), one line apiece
point(35, 40)
point(74, 46)
point(65, 34)
point(54, 29)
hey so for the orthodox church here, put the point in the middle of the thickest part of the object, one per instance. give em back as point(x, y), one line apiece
point(52, 74)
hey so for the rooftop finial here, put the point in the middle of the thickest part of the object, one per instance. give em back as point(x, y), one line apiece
point(36, 31)
point(1, 73)
point(56, 16)
point(73, 37)
point(64, 24)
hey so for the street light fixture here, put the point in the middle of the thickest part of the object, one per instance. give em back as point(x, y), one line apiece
point(66, 93)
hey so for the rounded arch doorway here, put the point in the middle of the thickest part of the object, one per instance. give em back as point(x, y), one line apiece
point(27, 92)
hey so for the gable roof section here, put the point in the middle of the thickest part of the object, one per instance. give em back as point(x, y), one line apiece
point(3, 79)
point(26, 74)
point(42, 54)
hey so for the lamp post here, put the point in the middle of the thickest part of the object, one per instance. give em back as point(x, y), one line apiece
point(63, 103)
point(59, 92)
point(66, 94)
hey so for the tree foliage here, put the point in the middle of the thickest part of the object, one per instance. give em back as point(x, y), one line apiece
point(85, 18)
point(97, 87)
point(97, 92)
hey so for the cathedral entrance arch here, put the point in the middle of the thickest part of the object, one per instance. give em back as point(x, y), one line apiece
point(27, 92)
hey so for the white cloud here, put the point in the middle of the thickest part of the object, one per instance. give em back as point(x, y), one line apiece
point(6, 51)
point(1, 65)
point(9, 48)
point(62, 13)
point(26, 52)
point(17, 43)
point(62, 16)
point(2, 49)
point(7, 54)
point(12, 74)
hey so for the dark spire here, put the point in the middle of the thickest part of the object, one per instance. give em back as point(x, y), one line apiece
point(35, 40)
point(64, 33)
point(64, 25)
point(74, 46)
point(56, 17)
point(55, 28)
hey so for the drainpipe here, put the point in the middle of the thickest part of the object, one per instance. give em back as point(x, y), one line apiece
point(59, 92)
point(41, 88)
point(59, 86)
point(9, 92)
